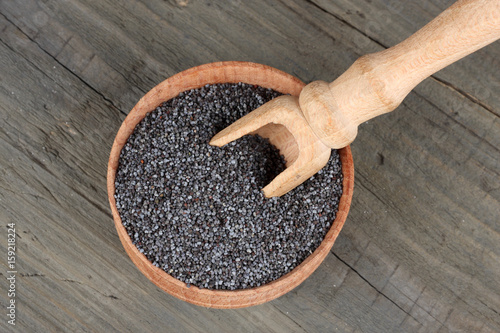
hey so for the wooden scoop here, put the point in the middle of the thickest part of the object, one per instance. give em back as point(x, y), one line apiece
point(327, 115)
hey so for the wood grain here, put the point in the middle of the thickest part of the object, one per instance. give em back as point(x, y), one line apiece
point(420, 251)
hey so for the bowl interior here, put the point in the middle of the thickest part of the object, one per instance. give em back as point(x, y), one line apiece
point(196, 77)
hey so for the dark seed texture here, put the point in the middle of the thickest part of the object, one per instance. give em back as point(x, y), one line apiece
point(198, 212)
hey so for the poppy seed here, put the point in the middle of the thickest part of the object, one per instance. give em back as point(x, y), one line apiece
point(197, 211)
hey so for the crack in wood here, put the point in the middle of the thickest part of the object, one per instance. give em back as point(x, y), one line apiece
point(32, 275)
point(63, 66)
point(451, 86)
point(295, 322)
point(474, 134)
point(84, 284)
point(489, 307)
point(373, 286)
point(346, 23)
point(46, 169)
point(465, 94)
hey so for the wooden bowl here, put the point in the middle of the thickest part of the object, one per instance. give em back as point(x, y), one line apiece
point(223, 72)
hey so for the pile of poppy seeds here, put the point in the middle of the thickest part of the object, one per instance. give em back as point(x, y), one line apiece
point(197, 211)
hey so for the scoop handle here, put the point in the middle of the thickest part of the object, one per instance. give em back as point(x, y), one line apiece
point(377, 83)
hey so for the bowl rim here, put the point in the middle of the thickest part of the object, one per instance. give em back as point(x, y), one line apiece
point(195, 77)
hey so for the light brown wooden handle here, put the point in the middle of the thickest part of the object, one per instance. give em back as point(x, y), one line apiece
point(377, 83)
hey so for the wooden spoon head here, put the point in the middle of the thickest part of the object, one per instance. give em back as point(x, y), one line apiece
point(282, 122)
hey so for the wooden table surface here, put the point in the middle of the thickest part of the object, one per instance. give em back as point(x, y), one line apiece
point(420, 250)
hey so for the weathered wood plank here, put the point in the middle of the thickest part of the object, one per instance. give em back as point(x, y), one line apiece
point(420, 250)
point(74, 264)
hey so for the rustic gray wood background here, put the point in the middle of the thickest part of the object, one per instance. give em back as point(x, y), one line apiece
point(420, 251)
